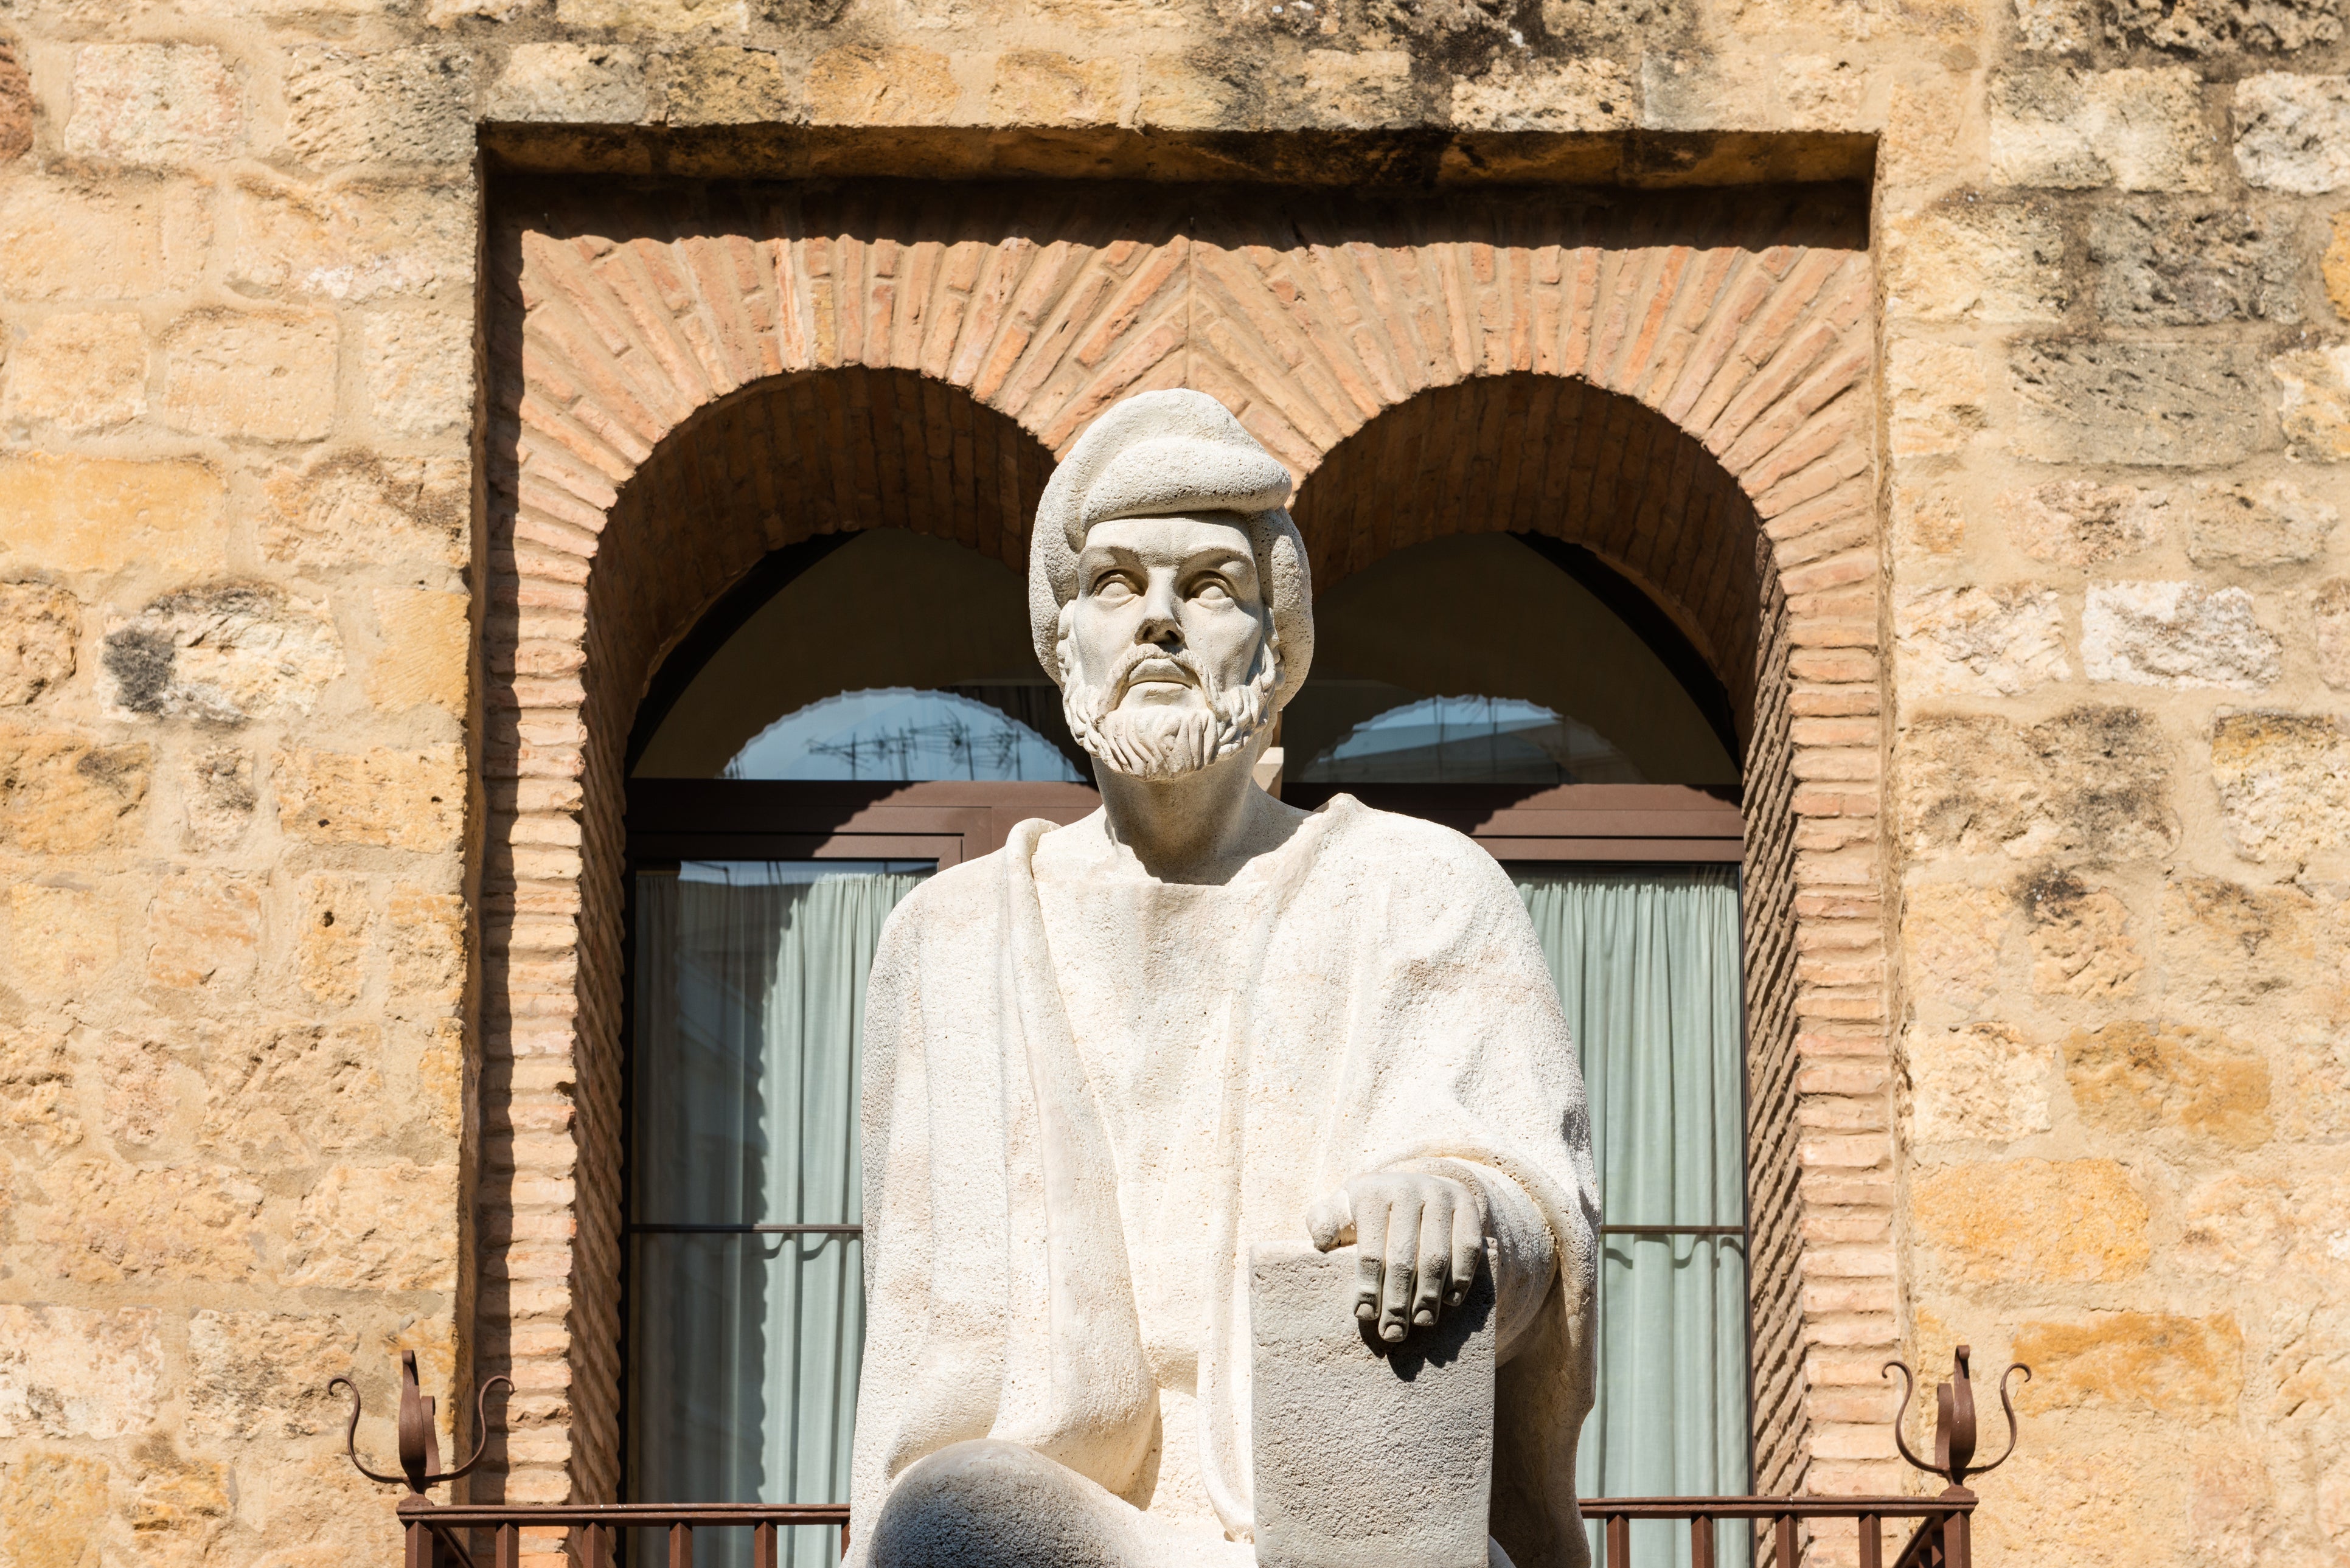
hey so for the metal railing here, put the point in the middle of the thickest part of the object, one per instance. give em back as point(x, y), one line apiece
point(436, 1534)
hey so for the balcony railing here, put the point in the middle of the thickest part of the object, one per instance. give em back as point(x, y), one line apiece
point(446, 1536)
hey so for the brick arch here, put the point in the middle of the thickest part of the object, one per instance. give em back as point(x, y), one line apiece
point(644, 363)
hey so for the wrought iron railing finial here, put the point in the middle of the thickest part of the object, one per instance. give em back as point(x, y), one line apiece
point(1954, 1420)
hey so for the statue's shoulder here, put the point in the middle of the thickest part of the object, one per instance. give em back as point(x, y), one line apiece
point(1410, 852)
point(951, 898)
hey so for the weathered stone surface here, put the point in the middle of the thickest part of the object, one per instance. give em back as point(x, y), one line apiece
point(427, 641)
point(1548, 95)
point(2159, 266)
point(377, 1227)
point(63, 941)
point(141, 1089)
point(653, 15)
point(37, 628)
point(2223, 941)
point(181, 1506)
point(356, 240)
point(36, 1076)
point(2077, 523)
point(2138, 130)
point(2293, 132)
point(2054, 27)
point(100, 514)
point(2314, 407)
point(222, 654)
point(2035, 1222)
point(731, 87)
point(217, 798)
point(398, 106)
point(419, 366)
point(428, 944)
point(1976, 261)
point(266, 1373)
point(2133, 1077)
point(400, 799)
point(2002, 641)
point(203, 930)
point(2091, 780)
point(2271, 523)
point(2166, 404)
point(79, 372)
point(2214, 26)
point(2081, 942)
point(1038, 87)
point(269, 375)
point(338, 916)
point(348, 508)
point(2192, 1365)
point(2175, 634)
point(1362, 88)
point(16, 106)
point(2330, 607)
point(153, 103)
point(860, 85)
point(2237, 1225)
point(287, 1092)
point(1927, 519)
point(59, 795)
point(68, 1372)
point(53, 1508)
point(1952, 932)
point(1984, 1082)
point(1941, 397)
point(71, 242)
point(2337, 267)
point(104, 1223)
point(577, 84)
point(2284, 781)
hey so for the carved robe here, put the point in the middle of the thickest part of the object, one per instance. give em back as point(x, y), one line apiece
point(1083, 1104)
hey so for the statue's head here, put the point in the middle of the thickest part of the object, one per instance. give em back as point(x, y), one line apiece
point(1167, 587)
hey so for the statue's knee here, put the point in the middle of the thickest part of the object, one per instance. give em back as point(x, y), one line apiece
point(989, 1504)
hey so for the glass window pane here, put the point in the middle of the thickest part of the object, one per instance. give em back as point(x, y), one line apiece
point(899, 734)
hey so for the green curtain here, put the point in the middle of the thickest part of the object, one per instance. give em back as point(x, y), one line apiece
point(1647, 963)
point(750, 1001)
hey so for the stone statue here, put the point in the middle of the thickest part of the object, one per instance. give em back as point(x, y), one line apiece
point(1106, 1064)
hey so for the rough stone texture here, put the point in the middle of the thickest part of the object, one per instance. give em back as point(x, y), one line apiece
point(2036, 1221)
point(1575, 95)
point(2225, 942)
point(1955, 929)
point(153, 103)
point(2161, 266)
point(226, 654)
point(2075, 522)
point(2335, 268)
point(2285, 783)
point(420, 372)
point(2176, 635)
point(69, 1372)
point(2330, 609)
point(82, 372)
point(16, 106)
point(38, 625)
point(2293, 132)
point(60, 794)
point(265, 375)
point(354, 241)
point(74, 515)
point(2272, 524)
point(2081, 941)
point(2092, 781)
point(2317, 403)
point(265, 1372)
point(2135, 129)
point(1970, 261)
point(395, 798)
point(2155, 1360)
point(2141, 1078)
point(2002, 641)
point(2169, 404)
point(399, 106)
point(583, 84)
point(1983, 1083)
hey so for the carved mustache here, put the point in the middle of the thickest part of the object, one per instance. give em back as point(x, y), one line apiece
point(1145, 662)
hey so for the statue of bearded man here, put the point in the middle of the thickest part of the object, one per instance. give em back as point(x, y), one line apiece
point(1106, 1061)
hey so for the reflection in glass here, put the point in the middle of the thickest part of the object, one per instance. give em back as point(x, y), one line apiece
point(1451, 739)
point(900, 734)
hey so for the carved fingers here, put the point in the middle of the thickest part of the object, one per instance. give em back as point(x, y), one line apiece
point(1418, 1239)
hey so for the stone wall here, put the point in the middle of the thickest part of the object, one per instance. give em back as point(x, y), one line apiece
point(238, 312)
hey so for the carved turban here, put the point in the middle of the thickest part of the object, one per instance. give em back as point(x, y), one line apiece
point(1160, 454)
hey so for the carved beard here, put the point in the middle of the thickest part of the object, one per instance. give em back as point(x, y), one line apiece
point(1160, 744)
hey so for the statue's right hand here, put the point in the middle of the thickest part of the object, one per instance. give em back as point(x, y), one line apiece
point(1418, 1240)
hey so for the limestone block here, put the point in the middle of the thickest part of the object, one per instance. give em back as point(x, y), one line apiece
point(101, 515)
point(73, 242)
point(67, 1373)
point(2034, 1221)
point(106, 1223)
point(1032, 87)
point(2138, 130)
point(80, 372)
point(862, 85)
point(2178, 635)
point(575, 84)
point(354, 508)
point(36, 1076)
point(2133, 1077)
point(337, 917)
point(394, 797)
point(2285, 783)
point(1590, 93)
point(203, 929)
point(180, 1505)
point(351, 240)
point(1984, 1082)
point(286, 1093)
point(2293, 132)
point(217, 798)
point(2315, 406)
point(1361, 1454)
point(2330, 607)
point(2212, 26)
point(2165, 404)
point(224, 654)
point(60, 794)
point(2081, 942)
point(419, 366)
point(1927, 518)
point(2054, 27)
point(1098, 14)
point(2002, 641)
point(398, 106)
point(63, 941)
point(392, 1227)
point(2153, 1361)
point(428, 943)
point(2159, 265)
point(2237, 1225)
point(269, 375)
point(1939, 397)
point(449, 13)
point(153, 103)
point(1950, 935)
point(2223, 941)
point(1976, 261)
point(427, 639)
point(941, 16)
point(2337, 267)
point(254, 1373)
point(2077, 523)
point(53, 1506)
point(654, 16)
point(1365, 89)
point(38, 625)
point(140, 1088)
point(2271, 523)
point(735, 87)
point(16, 106)
point(2091, 780)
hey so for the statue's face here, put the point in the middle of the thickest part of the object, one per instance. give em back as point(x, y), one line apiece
point(1165, 662)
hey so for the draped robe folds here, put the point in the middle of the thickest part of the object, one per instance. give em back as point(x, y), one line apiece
point(1382, 1003)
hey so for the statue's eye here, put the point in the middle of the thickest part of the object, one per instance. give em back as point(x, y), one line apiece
point(1214, 590)
point(1114, 586)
